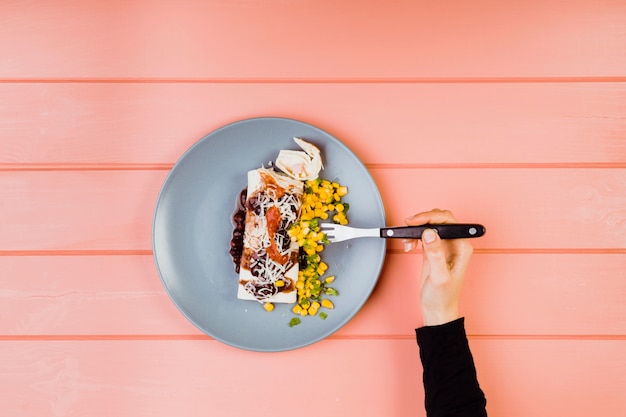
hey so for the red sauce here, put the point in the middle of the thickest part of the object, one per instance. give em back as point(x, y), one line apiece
point(273, 218)
point(271, 184)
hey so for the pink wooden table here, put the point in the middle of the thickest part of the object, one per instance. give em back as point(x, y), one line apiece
point(511, 113)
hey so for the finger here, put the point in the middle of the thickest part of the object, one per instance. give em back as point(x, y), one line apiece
point(462, 248)
point(409, 244)
point(461, 251)
point(432, 216)
point(435, 255)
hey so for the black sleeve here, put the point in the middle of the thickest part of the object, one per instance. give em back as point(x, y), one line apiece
point(450, 382)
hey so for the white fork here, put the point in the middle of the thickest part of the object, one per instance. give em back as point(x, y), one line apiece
point(339, 233)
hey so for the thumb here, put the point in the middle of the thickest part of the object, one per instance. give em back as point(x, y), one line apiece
point(435, 255)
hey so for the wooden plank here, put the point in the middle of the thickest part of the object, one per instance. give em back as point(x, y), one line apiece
point(521, 208)
point(548, 377)
point(86, 295)
point(505, 294)
point(535, 208)
point(78, 210)
point(562, 294)
point(76, 39)
point(129, 378)
point(431, 124)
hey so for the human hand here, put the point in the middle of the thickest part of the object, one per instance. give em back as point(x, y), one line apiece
point(443, 269)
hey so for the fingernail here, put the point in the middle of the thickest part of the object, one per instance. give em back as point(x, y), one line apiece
point(409, 245)
point(429, 236)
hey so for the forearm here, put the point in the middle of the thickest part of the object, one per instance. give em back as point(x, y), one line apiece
point(450, 382)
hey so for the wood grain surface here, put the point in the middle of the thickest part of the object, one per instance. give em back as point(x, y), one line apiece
point(511, 114)
point(276, 39)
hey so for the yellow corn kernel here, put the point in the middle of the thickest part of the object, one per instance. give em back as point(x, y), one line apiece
point(315, 306)
point(339, 207)
point(279, 283)
point(300, 285)
point(297, 309)
point(329, 279)
point(326, 303)
point(268, 306)
point(337, 218)
point(341, 191)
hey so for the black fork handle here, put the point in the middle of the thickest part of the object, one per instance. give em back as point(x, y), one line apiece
point(445, 231)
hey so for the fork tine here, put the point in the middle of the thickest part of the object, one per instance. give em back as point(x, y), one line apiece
point(329, 230)
point(339, 233)
point(326, 227)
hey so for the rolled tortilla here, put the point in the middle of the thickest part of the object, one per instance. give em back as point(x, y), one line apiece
point(269, 255)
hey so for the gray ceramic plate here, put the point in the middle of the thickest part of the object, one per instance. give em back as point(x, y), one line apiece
point(192, 230)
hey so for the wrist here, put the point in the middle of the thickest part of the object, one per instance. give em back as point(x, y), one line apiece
point(437, 318)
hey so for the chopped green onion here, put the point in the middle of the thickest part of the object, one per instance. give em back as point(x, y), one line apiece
point(331, 291)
